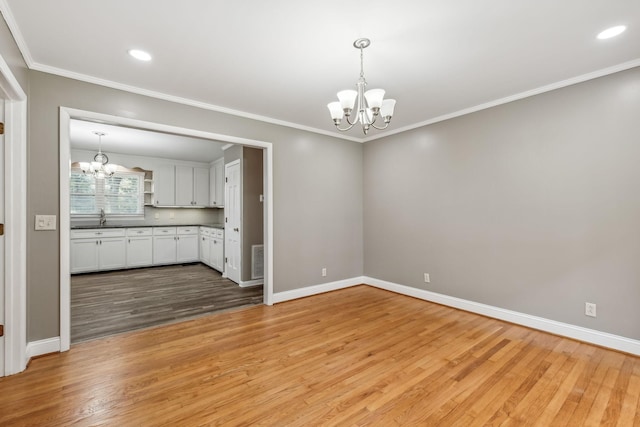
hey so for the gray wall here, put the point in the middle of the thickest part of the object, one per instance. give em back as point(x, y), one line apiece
point(12, 56)
point(252, 208)
point(317, 189)
point(532, 206)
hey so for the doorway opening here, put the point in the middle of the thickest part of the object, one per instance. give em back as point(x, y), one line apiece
point(67, 115)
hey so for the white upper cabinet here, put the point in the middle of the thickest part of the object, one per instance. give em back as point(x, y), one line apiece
point(165, 185)
point(201, 186)
point(178, 185)
point(184, 186)
point(217, 183)
point(192, 186)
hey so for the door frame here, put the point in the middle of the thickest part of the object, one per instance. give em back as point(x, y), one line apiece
point(66, 114)
point(15, 205)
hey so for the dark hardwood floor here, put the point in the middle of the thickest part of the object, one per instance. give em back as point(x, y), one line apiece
point(108, 303)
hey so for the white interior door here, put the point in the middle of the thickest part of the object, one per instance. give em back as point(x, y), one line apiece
point(233, 220)
point(2, 257)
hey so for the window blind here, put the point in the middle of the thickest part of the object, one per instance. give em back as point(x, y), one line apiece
point(121, 194)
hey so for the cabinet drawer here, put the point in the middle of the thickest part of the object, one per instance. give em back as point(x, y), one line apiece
point(143, 231)
point(101, 232)
point(187, 230)
point(206, 231)
point(163, 231)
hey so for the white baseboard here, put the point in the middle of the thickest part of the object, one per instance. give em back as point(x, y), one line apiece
point(248, 283)
point(616, 342)
point(316, 289)
point(579, 333)
point(46, 346)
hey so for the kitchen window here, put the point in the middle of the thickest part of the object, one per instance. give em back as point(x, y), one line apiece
point(119, 195)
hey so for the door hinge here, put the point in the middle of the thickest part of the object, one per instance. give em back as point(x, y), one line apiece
point(1, 330)
point(226, 179)
point(226, 219)
point(1, 128)
point(1, 229)
point(226, 260)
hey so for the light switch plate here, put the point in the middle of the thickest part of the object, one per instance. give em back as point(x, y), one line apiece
point(45, 222)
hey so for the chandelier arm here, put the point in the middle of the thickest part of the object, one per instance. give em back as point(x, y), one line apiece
point(380, 128)
point(347, 128)
point(357, 115)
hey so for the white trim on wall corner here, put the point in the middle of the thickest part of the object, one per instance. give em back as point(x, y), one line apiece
point(14, 282)
point(579, 333)
point(46, 346)
point(249, 283)
point(317, 289)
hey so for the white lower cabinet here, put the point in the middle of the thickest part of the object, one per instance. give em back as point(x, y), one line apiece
point(139, 247)
point(205, 245)
point(212, 247)
point(164, 245)
point(133, 247)
point(175, 244)
point(97, 249)
point(217, 253)
point(187, 249)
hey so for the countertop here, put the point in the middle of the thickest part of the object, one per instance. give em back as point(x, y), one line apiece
point(93, 226)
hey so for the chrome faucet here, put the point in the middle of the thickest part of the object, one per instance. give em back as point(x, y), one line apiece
point(103, 218)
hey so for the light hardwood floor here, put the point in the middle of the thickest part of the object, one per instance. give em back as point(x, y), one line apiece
point(359, 356)
point(112, 302)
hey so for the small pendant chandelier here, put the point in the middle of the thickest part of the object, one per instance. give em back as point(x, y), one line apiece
point(371, 104)
point(100, 167)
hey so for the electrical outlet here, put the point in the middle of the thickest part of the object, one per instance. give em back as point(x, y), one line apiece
point(427, 279)
point(324, 272)
point(590, 309)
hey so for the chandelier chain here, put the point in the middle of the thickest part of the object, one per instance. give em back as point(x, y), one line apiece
point(361, 62)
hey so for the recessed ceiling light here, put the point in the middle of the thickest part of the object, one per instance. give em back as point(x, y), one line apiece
point(612, 32)
point(140, 54)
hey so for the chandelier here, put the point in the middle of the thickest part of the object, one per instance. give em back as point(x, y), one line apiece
point(371, 105)
point(100, 167)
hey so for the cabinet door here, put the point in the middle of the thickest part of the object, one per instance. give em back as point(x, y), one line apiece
point(205, 249)
point(184, 186)
point(112, 253)
point(164, 185)
point(217, 183)
point(201, 186)
point(187, 248)
point(164, 249)
point(139, 251)
point(84, 255)
point(217, 254)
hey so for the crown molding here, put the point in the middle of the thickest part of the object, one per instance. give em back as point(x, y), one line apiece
point(5, 10)
point(533, 92)
point(13, 27)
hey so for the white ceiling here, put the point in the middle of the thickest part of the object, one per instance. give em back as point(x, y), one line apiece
point(284, 60)
point(139, 142)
